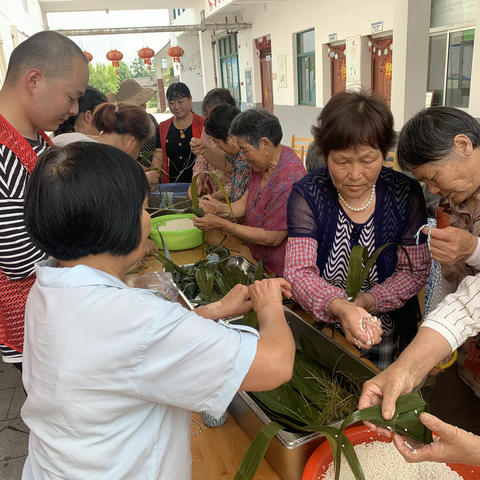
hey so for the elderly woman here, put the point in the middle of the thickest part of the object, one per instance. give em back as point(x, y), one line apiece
point(214, 97)
point(112, 373)
point(354, 200)
point(229, 158)
point(441, 147)
point(275, 169)
point(176, 133)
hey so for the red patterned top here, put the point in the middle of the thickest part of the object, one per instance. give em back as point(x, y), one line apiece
point(267, 207)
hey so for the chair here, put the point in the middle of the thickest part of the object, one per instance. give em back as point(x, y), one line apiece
point(300, 151)
point(297, 143)
point(392, 161)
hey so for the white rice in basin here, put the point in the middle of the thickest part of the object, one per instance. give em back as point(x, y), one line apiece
point(177, 224)
point(382, 461)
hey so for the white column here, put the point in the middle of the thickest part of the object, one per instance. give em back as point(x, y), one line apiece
point(206, 53)
point(365, 68)
point(411, 26)
point(474, 105)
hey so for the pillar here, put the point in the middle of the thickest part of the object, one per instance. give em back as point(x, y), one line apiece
point(206, 53)
point(411, 28)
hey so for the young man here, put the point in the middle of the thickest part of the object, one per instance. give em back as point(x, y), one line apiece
point(46, 75)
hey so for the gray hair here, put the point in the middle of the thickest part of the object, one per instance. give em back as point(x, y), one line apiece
point(428, 137)
point(255, 124)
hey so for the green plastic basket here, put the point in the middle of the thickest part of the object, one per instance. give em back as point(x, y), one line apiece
point(176, 240)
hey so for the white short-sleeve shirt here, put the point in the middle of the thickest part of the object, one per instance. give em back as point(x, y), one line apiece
point(112, 374)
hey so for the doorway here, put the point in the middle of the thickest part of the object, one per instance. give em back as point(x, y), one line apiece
point(265, 48)
point(382, 61)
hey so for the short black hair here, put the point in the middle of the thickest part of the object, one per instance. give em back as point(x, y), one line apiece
point(85, 199)
point(255, 124)
point(429, 135)
point(352, 119)
point(216, 97)
point(50, 52)
point(87, 102)
point(218, 122)
point(177, 90)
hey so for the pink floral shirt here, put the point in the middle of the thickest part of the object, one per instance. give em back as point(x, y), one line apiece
point(267, 207)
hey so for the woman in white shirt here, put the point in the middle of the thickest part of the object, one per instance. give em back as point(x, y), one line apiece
point(112, 373)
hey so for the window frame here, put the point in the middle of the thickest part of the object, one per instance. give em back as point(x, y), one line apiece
point(447, 30)
point(300, 57)
point(222, 56)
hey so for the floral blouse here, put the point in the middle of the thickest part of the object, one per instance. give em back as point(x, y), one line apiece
point(241, 172)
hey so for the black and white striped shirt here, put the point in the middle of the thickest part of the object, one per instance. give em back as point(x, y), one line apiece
point(18, 254)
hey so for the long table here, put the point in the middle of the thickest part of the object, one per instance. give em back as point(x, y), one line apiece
point(217, 452)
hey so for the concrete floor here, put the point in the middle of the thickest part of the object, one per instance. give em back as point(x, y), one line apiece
point(450, 399)
point(13, 432)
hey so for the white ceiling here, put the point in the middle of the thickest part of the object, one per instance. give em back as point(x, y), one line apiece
point(90, 5)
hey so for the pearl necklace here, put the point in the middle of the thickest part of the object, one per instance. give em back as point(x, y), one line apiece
point(370, 200)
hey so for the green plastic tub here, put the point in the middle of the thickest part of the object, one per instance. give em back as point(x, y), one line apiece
point(176, 240)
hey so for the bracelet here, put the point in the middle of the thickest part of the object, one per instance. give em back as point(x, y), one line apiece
point(214, 306)
point(233, 228)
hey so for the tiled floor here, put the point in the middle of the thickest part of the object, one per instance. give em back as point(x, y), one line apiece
point(450, 399)
point(13, 432)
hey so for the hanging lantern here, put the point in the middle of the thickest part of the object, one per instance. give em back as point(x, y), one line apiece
point(88, 55)
point(176, 53)
point(146, 53)
point(115, 56)
point(387, 68)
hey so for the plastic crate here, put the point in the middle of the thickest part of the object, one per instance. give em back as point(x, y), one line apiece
point(178, 189)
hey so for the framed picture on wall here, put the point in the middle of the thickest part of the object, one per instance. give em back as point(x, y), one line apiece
point(353, 58)
point(282, 71)
point(429, 99)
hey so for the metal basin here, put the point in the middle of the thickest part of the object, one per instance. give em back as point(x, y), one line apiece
point(289, 452)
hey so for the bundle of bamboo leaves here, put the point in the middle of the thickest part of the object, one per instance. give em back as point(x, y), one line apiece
point(308, 403)
point(210, 279)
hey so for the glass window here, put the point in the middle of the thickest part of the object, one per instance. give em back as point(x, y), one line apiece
point(307, 80)
point(436, 67)
point(449, 12)
point(306, 67)
point(164, 63)
point(229, 66)
point(306, 42)
point(459, 72)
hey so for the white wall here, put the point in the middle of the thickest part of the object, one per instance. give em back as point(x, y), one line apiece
point(26, 16)
point(191, 65)
point(283, 20)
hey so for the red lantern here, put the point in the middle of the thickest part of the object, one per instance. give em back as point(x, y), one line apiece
point(146, 53)
point(88, 55)
point(115, 56)
point(176, 53)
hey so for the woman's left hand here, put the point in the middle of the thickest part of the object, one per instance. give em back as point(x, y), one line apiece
point(210, 205)
point(451, 245)
point(365, 301)
point(209, 222)
point(453, 445)
point(150, 246)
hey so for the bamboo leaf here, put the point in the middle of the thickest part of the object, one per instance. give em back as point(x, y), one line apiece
point(193, 191)
point(222, 188)
point(250, 319)
point(255, 453)
point(165, 248)
point(169, 265)
point(355, 271)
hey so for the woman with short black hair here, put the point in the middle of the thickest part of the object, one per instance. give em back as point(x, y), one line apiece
point(229, 159)
point(214, 97)
point(112, 373)
point(354, 200)
point(275, 168)
point(176, 133)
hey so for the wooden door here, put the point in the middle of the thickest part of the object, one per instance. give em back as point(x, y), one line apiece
point(382, 68)
point(267, 81)
point(338, 71)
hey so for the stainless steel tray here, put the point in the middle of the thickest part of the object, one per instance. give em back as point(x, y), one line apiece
point(289, 452)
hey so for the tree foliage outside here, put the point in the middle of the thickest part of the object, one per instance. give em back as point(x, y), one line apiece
point(124, 72)
point(104, 78)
